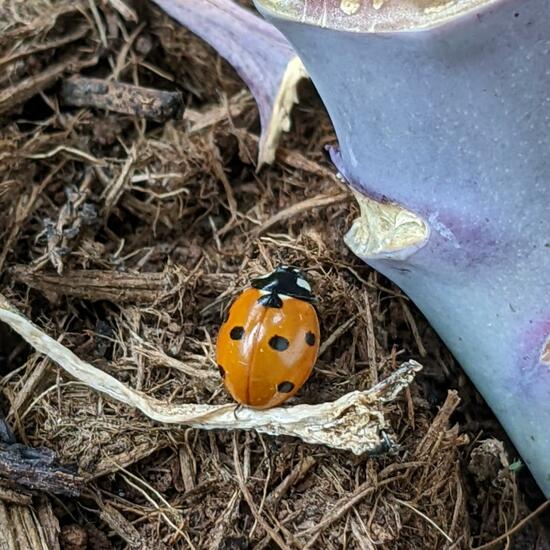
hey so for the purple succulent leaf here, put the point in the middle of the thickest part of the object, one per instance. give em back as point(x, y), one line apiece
point(260, 54)
point(446, 124)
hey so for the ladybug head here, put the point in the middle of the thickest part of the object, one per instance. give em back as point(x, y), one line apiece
point(285, 280)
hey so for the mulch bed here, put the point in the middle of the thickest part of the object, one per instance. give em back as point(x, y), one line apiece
point(127, 239)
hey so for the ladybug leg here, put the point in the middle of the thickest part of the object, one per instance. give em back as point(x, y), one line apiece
point(236, 409)
point(389, 446)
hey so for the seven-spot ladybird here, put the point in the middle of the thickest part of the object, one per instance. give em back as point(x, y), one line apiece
point(269, 343)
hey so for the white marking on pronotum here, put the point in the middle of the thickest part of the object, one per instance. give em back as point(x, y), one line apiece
point(282, 296)
point(303, 284)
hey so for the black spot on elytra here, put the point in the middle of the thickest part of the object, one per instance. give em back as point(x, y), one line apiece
point(236, 333)
point(285, 387)
point(278, 343)
point(222, 371)
point(310, 338)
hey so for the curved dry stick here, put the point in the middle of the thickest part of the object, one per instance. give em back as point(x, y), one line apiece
point(354, 422)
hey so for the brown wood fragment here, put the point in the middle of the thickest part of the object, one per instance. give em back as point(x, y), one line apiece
point(24, 527)
point(37, 469)
point(14, 496)
point(17, 94)
point(37, 367)
point(119, 97)
point(121, 526)
point(7, 536)
point(49, 523)
point(34, 49)
point(27, 536)
point(114, 463)
point(186, 468)
point(297, 473)
point(94, 285)
point(439, 425)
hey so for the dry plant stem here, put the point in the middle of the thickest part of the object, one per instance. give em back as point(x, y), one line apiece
point(224, 522)
point(79, 32)
point(342, 506)
point(424, 516)
point(250, 501)
point(301, 207)
point(354, 422)
point(152, 104)
point(7, 536)
point(109, 464)
point(49, 524)
point(439, 425)
point(37, 373)
point(520, 525)
point(20, 92)
point(299, 471)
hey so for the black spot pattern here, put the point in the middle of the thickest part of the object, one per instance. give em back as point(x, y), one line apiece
point(310, 338)
point(222, 371)
point(285, 387)
point(278, 343)
point(236, 333)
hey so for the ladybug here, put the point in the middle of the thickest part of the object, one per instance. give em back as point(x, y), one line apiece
point(269, 343)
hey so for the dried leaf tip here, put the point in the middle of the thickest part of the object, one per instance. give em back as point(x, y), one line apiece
point(260, 54)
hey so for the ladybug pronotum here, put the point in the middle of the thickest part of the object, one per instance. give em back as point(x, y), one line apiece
point(269, 343)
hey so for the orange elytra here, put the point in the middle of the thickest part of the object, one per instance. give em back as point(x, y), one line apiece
point(269, 343)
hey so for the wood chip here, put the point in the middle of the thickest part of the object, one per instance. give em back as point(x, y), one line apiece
point(14, 496)
point(19, 93)
point(95, 285)
point(37, 469)
point(49, 523)
point(119, 97)
point(121, 526)
point(439, 424)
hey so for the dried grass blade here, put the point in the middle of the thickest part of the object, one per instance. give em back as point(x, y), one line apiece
point(354, 422)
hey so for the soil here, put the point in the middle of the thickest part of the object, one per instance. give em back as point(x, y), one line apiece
point(127, 239)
